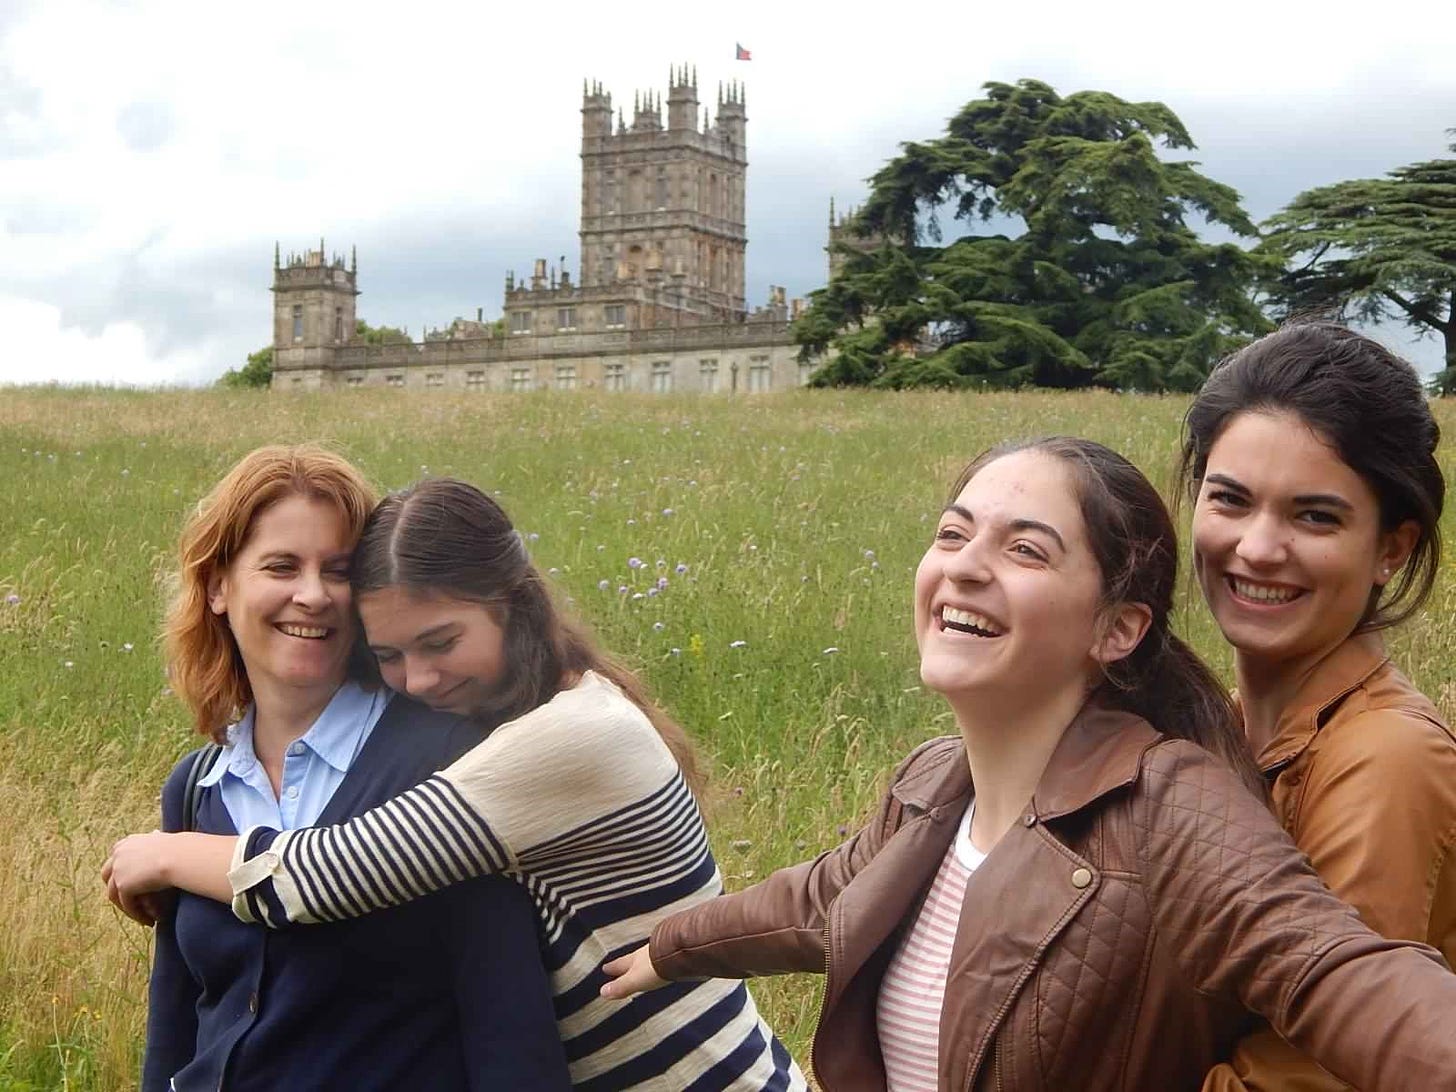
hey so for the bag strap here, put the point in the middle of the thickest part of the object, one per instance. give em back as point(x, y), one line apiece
point(202, 761)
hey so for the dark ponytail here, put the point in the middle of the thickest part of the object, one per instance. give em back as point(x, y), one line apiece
point(1132, 537)
point(445, 537)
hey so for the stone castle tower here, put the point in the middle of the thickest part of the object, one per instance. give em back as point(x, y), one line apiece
point(665, 204)
point(313, 304)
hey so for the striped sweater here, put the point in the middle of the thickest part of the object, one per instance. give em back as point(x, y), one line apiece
point(581, 802)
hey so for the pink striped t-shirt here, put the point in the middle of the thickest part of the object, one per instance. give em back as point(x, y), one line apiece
point(911, 993)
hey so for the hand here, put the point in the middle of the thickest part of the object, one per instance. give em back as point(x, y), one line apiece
point(631, 974)
point(135, 876)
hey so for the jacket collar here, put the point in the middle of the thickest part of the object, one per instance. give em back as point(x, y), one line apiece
point(1101, 750)
point(1341, 671)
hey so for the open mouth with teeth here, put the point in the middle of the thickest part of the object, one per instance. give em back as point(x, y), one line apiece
point(969, 622)
point(308, 633)
point(1260, 594)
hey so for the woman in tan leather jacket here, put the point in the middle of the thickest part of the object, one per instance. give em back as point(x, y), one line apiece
point(1311, 458)
point(1121, 898)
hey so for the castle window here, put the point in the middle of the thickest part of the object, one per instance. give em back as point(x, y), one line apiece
point(434, 379)
point(354, 380)
point(298, 322)
point(566, 377)
point(520, 379)
point(475, 381)
point(708, 374)
point(615, 377)
point(520, 322)
point(566, 318)
point(661, 201)
point(338, 324)
point(662, 376)
point(614, 316)
point(395, 380)
point(759, 373)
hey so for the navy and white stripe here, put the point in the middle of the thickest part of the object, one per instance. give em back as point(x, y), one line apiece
point(582, 803)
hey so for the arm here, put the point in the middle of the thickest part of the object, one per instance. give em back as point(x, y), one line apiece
point(502, 994)
point(777, 926)
point(1377, 819)
point(172, 992)
point(585, 755)
point(1244, 915)
point(143, 864)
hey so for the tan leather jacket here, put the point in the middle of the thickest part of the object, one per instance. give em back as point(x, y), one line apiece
point(1364, 780)
point(1113, 939)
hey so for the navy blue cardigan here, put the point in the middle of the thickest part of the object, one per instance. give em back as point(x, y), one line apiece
point(443, 993)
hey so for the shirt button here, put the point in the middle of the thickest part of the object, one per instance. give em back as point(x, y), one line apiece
point(296, 747)
point(1081, 877)
point(253, 1003)
point(291, 792)
point(1029, 819)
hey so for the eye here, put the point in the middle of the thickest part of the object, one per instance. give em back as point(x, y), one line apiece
point(280, 568)
point(949, 534)
point(439, 646)
point(1320, 518)
point(340, 573)
point(1226, 498)
point(1026, 549)
point(385, 656)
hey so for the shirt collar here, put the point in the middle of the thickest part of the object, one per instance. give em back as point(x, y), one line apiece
point(334, 737)
point(1344, 669)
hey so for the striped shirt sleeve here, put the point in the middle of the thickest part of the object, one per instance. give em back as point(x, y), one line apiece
point(585, 753)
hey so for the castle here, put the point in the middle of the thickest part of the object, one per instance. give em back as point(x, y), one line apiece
point(658, 302)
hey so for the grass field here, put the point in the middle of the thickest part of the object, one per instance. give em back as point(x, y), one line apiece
point(785, 528)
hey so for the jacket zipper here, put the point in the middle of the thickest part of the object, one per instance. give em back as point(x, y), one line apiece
point(823, 998)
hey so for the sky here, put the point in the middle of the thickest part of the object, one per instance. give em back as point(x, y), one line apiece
point(153, 151)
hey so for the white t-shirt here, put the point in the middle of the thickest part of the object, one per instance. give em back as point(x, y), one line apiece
point(913, 989)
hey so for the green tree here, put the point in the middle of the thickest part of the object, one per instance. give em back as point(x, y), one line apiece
point(257, 372)
point(380, 335)
point(1372, 249)
point(1105, 283)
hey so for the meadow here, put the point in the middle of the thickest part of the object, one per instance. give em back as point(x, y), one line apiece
point(753, 557)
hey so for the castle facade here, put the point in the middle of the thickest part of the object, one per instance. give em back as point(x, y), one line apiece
point(658, 302)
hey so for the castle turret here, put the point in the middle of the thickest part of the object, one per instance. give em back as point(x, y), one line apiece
point(596, 111)
point(682, 99)
point(313, 300)
point(733, 117)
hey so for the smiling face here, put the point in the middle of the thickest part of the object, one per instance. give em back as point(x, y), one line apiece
point(286, 599)
point(448, 653)
point(1007, 596)
point(1287, 540)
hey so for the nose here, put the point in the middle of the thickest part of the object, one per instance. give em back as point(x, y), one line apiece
point(969, 563)
point(312, 590)
point(419, 678)
point(1264, 541)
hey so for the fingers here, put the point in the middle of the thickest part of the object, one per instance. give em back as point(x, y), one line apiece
point(631, 974)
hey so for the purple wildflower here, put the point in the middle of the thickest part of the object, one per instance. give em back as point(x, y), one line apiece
point(634, 563)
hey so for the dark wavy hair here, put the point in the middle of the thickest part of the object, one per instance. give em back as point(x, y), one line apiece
point(1136, 548)
point(1368, 405)
point(445, 537)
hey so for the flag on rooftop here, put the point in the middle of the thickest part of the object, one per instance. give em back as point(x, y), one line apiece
point(741, 54)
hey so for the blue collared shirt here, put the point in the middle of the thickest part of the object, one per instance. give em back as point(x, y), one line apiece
point(313, 765)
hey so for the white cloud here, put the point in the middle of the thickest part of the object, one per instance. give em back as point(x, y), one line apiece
point(150, 162)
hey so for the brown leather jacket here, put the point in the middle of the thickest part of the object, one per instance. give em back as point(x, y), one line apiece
point(1364, 780)
point(1113, 939)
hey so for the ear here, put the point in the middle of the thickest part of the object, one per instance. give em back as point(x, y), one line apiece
point(216, 594)
point(1121, 630)
point(1395, 551)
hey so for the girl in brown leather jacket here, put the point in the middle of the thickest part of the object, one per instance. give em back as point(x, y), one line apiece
point(1082, 889)
point(1310, 456)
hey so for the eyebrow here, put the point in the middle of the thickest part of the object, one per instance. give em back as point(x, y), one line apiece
point(1015, 525)
point(423, 635)
point(1328, 500)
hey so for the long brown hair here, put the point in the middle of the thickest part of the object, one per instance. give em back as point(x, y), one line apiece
point(445, 537)
point(1133, 539)
point(203, 662)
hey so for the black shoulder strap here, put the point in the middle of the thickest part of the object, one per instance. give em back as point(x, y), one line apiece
point(202, 761)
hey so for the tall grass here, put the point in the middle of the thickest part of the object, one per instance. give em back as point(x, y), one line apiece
point(771, 610)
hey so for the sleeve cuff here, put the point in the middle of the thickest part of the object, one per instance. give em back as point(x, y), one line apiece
point(246, 873)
